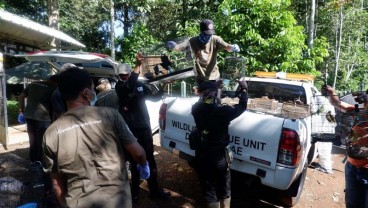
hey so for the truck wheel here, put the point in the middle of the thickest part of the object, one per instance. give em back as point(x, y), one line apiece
point(291, 196)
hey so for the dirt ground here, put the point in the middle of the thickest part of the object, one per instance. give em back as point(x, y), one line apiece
point(320, 190)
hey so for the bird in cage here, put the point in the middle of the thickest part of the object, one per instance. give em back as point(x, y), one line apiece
point(330, 118)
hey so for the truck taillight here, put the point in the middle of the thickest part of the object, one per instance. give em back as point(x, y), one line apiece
point(162, 116)
point(289, 150)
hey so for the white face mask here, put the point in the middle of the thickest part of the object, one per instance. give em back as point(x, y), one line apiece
point(93, 101)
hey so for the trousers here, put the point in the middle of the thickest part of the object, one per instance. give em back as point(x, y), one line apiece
point(144, 136)
point(214, 175)
point(356, 185)
point(36, 130)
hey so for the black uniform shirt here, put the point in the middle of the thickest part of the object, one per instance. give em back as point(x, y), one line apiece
point(216, 119)
point(132, 105)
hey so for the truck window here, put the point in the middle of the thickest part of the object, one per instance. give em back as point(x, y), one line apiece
point(279, 91)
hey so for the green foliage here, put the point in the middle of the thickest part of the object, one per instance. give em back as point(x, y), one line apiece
point(36, 10)
point(12, 111)
point(267, 33)
point(86, 21)
point(137, 40)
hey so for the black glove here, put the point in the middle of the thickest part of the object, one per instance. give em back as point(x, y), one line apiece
point(243, 86)
point(220, 84)
point(156, 69)
point(165, 62)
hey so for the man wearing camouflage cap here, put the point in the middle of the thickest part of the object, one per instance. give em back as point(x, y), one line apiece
point(106, 97)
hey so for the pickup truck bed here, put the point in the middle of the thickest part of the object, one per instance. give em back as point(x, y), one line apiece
point(271, 141)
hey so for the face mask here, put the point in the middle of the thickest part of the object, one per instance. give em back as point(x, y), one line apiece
point(93, 101)
point(203, 38)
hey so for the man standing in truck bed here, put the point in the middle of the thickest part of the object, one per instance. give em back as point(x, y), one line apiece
point(205, 47)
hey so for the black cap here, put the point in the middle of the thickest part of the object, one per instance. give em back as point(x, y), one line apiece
point(207, 26)
point(207, 85)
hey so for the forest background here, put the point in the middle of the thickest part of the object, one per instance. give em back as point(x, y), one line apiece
point(316, 37)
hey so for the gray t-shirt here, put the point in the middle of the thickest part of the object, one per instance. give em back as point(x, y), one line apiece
point(108, 98)
point(85, 146)
point(39, 100)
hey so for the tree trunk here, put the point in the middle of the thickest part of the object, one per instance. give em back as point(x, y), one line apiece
point(306, 15)
point(185, 12)
point(126, 19)
point(53, 16)
point(311, 25)
point(112, 29)
point(338, 45)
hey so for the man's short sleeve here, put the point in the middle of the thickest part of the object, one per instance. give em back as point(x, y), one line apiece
point(49, 150)
point(220, 43)
point(182, 46)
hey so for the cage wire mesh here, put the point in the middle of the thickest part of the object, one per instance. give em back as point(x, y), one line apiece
point(20, 182)
point(323, 120)
point(352, 130)
point(234, 66)
point(233, 69)
point(159, 61)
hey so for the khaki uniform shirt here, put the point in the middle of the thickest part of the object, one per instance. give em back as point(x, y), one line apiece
point(85, 146)
point(39, 100)
point(206, 56)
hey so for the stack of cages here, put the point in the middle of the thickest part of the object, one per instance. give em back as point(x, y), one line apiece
point(295, 111)
point(21, 183)
point(161, 64)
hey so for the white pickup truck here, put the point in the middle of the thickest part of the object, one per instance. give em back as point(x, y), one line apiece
point(273, 141)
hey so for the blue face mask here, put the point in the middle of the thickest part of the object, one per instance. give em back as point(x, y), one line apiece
point(93, 102)
point(203, 38)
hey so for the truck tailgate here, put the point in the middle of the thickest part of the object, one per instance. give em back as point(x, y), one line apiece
point(255, 138)
point(179, 123)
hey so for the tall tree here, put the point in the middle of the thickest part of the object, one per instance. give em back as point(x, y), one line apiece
point(338, 43)
point(35, 10)
point(269, 35)
point(53, 17)
point(311, 25)
point(112, 29)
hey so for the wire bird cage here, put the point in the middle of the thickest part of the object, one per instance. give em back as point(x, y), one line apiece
point(352, 129)
point(20, 182)
point(234, 66)
point(323, 120)
point(295, 111)
point(290, 110)
point(158, 61)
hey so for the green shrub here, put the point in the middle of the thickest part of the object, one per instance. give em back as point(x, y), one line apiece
point(13, 112)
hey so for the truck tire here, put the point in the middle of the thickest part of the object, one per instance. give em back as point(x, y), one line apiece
point(291, 196)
